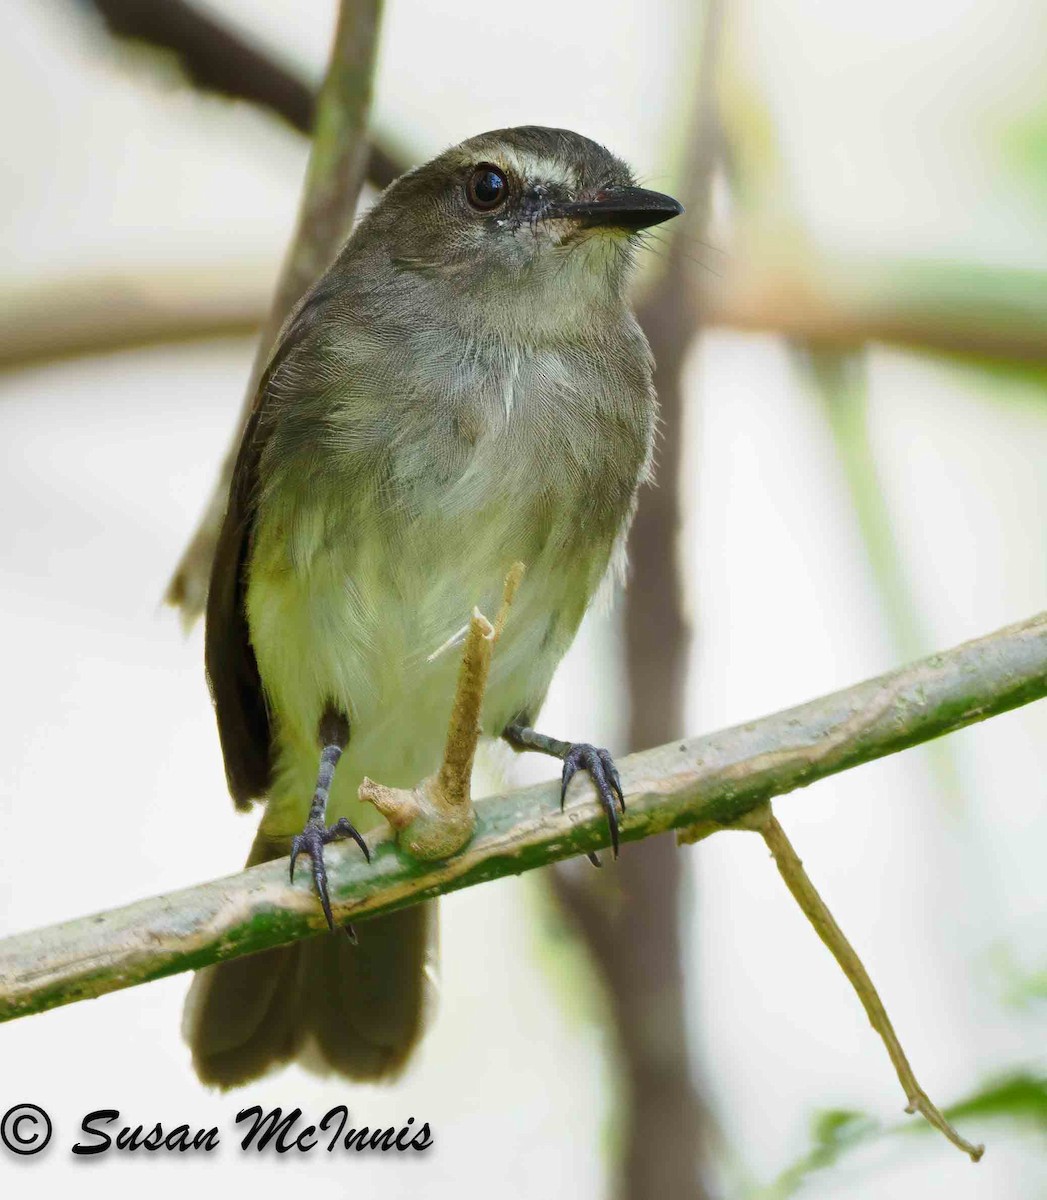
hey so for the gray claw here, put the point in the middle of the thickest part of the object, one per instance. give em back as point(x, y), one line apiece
point(312, 840)
point(605, 778)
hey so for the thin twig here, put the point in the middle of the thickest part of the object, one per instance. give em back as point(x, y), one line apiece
point(817, 912)
point(697, 785)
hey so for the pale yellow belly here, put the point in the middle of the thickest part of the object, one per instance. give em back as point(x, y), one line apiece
point(352, 631)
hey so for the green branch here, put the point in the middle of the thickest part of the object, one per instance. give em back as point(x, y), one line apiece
point(694, 786)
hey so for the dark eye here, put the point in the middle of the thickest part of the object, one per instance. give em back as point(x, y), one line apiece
point(487, 187)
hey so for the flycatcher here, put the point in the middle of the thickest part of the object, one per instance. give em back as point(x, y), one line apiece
point(465, 388)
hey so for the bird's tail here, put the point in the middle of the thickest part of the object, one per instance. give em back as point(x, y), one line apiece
point(334, 1007)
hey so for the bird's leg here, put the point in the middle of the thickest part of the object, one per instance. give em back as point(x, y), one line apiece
point(334, 737)
point(575, 755)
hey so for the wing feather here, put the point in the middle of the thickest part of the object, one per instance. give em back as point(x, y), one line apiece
point(229, 658)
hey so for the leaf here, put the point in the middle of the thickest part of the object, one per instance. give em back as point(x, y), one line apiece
point(1021, 986)
point(1019, 1098)
point(834, 1132)
point(1024, 149)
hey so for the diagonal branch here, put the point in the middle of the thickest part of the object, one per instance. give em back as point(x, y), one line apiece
point(695, 786)
point(333, 181)
point(217, 58)
point(214, 56)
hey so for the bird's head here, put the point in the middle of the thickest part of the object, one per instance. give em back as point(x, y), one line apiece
point(532, 224)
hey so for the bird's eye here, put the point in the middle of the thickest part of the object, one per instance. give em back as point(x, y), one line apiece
point(487, 187)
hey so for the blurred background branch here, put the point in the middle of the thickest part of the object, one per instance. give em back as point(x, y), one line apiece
point(982, 314)
point(631, 920)
point(334, 177)
point(838, 381)
point(218, 58)
point(778, 285)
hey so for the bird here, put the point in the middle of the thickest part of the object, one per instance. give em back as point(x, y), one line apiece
point(465, 388)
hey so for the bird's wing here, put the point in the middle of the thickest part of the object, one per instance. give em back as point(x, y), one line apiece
point(232, 670)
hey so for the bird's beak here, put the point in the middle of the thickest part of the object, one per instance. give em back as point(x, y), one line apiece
point(629, 208)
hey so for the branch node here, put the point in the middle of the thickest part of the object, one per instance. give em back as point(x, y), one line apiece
point(436, 818)
point(751, 821)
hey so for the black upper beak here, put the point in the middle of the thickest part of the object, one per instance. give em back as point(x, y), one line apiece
point(619, 208)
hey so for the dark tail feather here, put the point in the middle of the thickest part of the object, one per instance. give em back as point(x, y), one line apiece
point(241, 1018)
point(355, 1010)
point(365, 1004)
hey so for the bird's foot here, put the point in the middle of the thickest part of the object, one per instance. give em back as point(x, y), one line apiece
point(312, 840)
point(606, 780)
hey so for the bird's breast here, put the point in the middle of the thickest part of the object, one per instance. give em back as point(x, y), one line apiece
point(356, 582)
